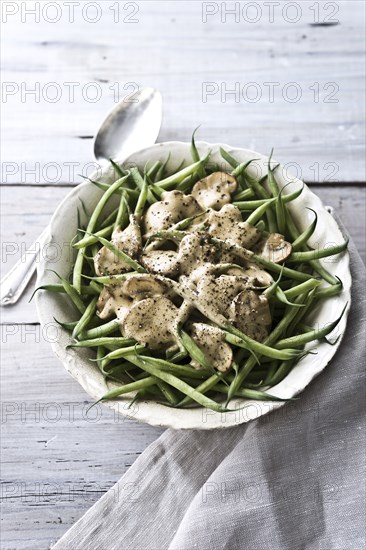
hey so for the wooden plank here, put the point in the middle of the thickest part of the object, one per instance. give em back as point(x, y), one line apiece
point(57, 459)
point(196, 64)
point(26, 212)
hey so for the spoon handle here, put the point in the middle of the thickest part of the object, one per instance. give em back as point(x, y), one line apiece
point(16, 280)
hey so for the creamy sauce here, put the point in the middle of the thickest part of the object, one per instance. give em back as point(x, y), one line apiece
point(199, 277)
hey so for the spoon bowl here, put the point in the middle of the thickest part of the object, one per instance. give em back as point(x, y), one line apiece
point(132, 125)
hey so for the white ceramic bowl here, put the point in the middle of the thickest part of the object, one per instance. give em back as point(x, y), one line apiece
point(77, 362)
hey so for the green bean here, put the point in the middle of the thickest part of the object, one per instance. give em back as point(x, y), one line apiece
point(101, 331)
point(276, 268)
point(67, 326)
point(111, 279)
point(128, 388)
point(305, 236)
point(261, 225)
point(105, 341)
point(229, 158)
point(122, 255)
point(122, 216)
point(300, 314)
point(194, 350)
point(243, 195)
point(271, 371)
point(258, 213)
point(118, 353)
point(330, 291)
point(238, 171)
point(78, 267)
point(316, 254)
point(72, 293)
point(260, 191)
point(271, 339)
point(186, 185)
point(195, 155)
point(282, 371)
point(87, 241)
point(279, 205)
point(167, 392)
point(301, 288)
point(315, 264)
point(117, 168)
point(281, 297)
point(96, 287)
point(250, 394)
point(252, 205)
point(142, 200)
point(245, 342)
point(183, 387)
point(175, 357)
point(184, 224)
point(139, 181)
point(238, 357)
point(85, 318)
point(171, 235)
point(281, 214)
point(204, 387)
point(328, 277)
point(151, 173)
point(100, 362)
point(180, 370)
point(106, 186)
point(178, 177)
point(271, 290)
point(315, 334)
point(60, 289)
point(161, 172)
point(109, 220)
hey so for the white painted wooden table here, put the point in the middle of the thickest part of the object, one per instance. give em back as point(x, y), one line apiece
point(287, 75)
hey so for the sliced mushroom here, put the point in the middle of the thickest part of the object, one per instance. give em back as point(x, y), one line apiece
point(196, 249)
point(174, 207)
point(105, 304)
point(142, 286)
point(251, 314)
point(256, 275)
point(227, 224)
point(129, 241)
point(273, 247)
point(162, 262)
point(152, 322)
point(215, 190)
point(211, 341)
point(113, 301)
point(220, 291)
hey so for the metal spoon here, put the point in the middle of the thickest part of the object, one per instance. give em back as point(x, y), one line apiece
point(130, 126)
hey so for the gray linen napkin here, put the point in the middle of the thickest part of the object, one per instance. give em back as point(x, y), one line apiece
point(291, 480)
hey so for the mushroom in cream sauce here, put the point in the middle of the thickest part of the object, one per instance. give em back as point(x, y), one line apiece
point(215, 190)
point(212, 342)
point(113, 301)
point(227, 224)
point(273, 247)
point(161, 262)
point(153, 322)
point(251, 314)
point(174, 207)
point(211, 260)
point(129, 241)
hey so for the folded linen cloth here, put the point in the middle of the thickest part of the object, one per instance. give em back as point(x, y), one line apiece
point(291, 480)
